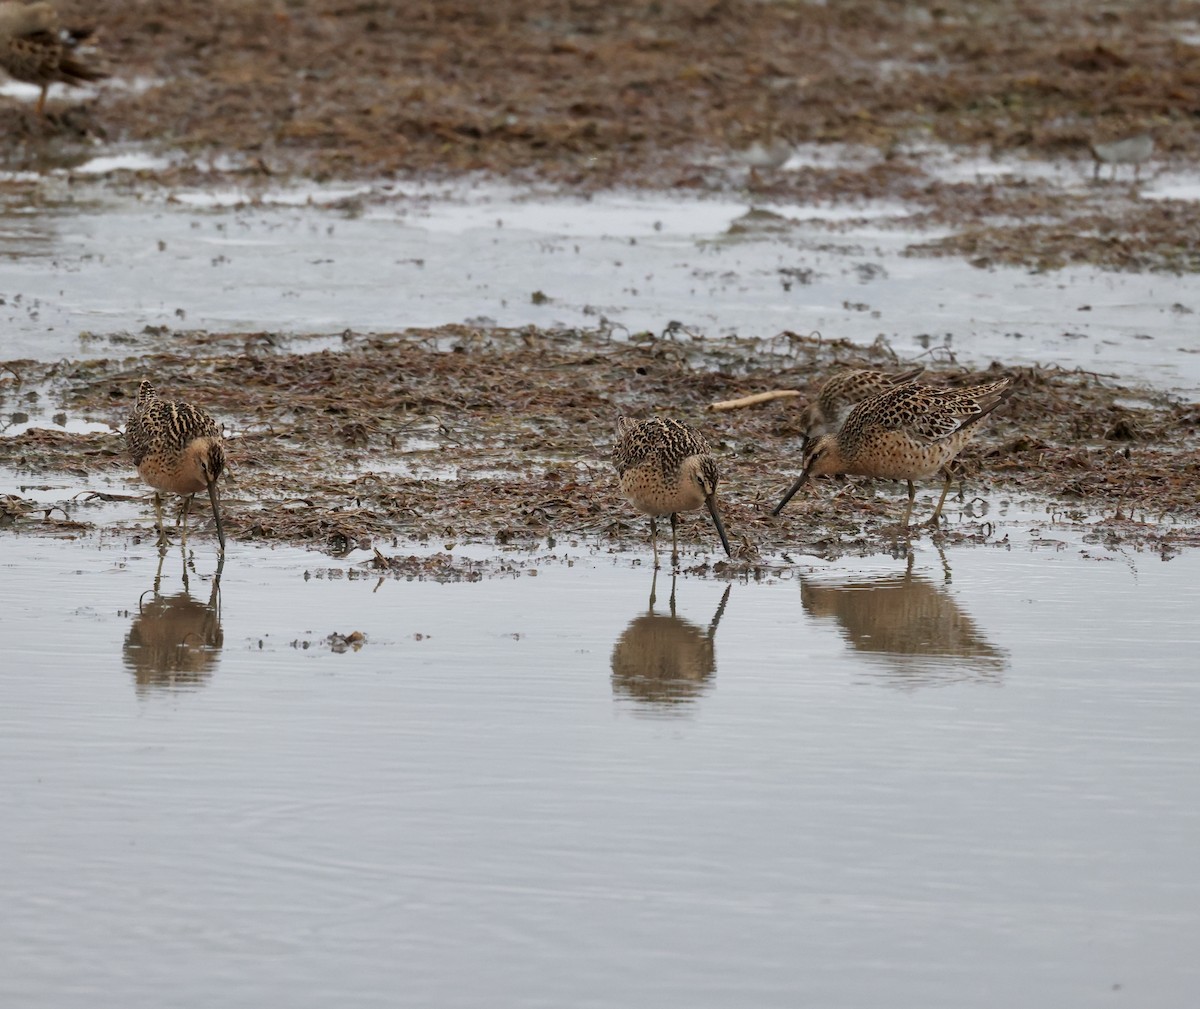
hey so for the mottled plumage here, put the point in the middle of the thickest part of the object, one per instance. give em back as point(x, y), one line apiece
point(909, 432)
point(177, 448)
point(666, 467)
point(843, 390)
point(35, 49)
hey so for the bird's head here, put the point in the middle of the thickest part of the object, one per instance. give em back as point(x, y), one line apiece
point(821, 457)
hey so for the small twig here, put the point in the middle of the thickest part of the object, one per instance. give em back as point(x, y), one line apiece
point(754, 400)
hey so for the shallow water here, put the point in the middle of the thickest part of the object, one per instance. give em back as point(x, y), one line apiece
point(99, 259)
point(971, 782)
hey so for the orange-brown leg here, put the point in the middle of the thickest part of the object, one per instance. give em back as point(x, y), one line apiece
point(41, 102)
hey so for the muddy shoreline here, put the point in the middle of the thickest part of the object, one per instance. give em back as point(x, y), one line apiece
point(686, 95)
point(466, 435)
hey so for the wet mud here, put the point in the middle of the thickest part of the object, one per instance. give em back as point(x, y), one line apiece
point(688, 94)
point(460, 435)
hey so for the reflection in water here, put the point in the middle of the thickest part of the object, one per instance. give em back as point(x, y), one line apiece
point(175, 641)
point(911, 623)
point(665, 660)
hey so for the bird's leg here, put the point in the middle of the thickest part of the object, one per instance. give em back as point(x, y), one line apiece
point(674, 540)
point(672, 593)
point(158, 520)
point(41, 102)
point(942, 500)
point(653, 588)
point(912, 494)
point(654, 539)
point(183, 517)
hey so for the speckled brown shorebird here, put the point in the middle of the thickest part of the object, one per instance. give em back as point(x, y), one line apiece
point(666, 467)
point(844, 390)
point(910, 432)
point(34, 48)
point(177, 448)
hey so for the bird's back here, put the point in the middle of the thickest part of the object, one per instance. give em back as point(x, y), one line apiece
point(920, 413)
point(165, 426)
point(662, 441)
point(845, 389)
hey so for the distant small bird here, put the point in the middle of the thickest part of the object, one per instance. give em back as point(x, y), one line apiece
point(35, 49)
point(177, 448)
point(844, 390)
point(1134, 151)
point(910, 432)
point(769, 155)
point(666, 467)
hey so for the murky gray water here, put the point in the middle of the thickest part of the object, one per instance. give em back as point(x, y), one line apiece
point(858, 784)
point(90, 259)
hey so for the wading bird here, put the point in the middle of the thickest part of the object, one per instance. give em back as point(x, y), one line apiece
point(35, 49)
point(910, 432)
point(177, 448)
point(666, 467)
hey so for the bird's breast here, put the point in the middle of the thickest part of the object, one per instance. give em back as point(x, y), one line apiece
point(650, 491)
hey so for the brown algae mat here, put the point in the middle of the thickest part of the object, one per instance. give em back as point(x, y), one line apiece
point(590, 94)
point(582, 90)
point(465, 435)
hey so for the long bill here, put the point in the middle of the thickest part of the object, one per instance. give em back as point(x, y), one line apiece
point(711, 501)
point(800, 482)
point(212, 496)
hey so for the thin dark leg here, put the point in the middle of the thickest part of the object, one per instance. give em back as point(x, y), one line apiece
point(942, 500)
point(912, 494)
point(183, 516)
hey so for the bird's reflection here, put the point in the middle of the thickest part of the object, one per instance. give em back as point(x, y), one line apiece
point(909, 623)
point(665, 660)
point(174, 642)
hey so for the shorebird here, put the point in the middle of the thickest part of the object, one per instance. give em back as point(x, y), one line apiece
point(177, 448)
point(910, 432)
point(35, 49)
point(842, 391)
point(666, 467)
point(1134, 151)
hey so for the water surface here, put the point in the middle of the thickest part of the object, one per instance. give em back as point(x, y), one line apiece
point(968, 780)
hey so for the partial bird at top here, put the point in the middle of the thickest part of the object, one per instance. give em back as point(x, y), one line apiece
point(36, 49)
point(843, 391)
